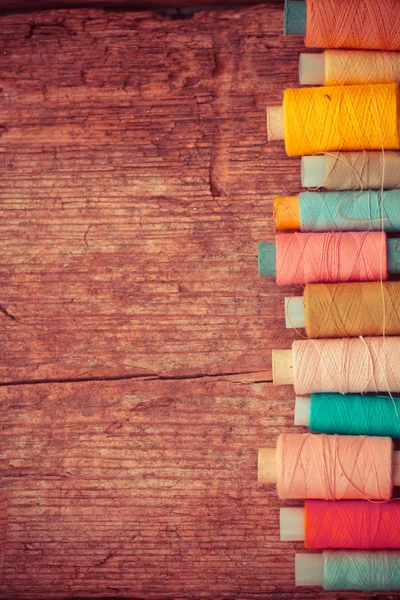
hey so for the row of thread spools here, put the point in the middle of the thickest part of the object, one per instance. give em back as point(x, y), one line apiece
point(341, 246)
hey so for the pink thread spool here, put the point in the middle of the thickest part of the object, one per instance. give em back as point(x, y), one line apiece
point(330, 467)
point(330, 257)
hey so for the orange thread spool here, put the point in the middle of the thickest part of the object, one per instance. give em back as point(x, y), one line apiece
point(287, 213)
point(361, 24)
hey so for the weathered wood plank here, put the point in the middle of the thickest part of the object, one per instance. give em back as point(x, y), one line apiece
point(135, 181)
point(7, 5)
point(143, 489)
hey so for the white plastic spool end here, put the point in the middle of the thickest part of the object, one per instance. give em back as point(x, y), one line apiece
point(313, 171)
point(309, 569)
point(302, 409)
point(275, 125)
point(312, 69)
point(292, 524)
point(294, 312)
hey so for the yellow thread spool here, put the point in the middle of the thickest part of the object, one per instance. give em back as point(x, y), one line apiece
point(344, 118)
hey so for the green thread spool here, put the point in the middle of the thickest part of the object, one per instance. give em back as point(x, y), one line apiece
point(362, 571)
point(355, 414)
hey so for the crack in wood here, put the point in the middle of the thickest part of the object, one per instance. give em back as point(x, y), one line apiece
point(7, 314)
point(142, 377)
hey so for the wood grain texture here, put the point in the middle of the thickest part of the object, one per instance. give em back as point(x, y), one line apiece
point(11, 5)
point(135, 182)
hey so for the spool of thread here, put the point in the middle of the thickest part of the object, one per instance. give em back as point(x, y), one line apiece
point(349, 414)
point(352, 524)
point(339, 211)
point(349, 67)
point(360, 24)
point(349, 570)
point(343, 118)
point(344, 365)
point(299, 258)
point(332, 310)
point(352, 171)
point(330, 467)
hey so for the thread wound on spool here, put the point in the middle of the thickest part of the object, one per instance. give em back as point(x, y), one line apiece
point(362, 170)
point(356, 524)
point(352, 365)
point(355, 570)
point(352, 309)
point(350, 211)
point(355, 414)
point(360, 24)
point(334, 467)
point(330, 257)
point(325, 119)
point(343, 67)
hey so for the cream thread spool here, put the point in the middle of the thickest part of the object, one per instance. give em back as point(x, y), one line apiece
point(342, 365)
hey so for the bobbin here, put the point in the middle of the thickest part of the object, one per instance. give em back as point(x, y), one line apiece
point(377, 127)
point(315, 69)
point(338, 211)
point(267, 257)
point(381, 299)
point(369, 524)
point(356, 170)
point(315, 570)
point(268, 474)
point(349, 414)
point(375, 351)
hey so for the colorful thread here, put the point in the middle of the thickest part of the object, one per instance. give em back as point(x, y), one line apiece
point(362, 170)
point(361, 570)
point(359, 524)
point(326, 119)
point(334, 467)
point(346, 365)
point(343, 67)
point(355, 414)
point(352, 309)
point(360, 24)
point(330, 257)
point(350, 211)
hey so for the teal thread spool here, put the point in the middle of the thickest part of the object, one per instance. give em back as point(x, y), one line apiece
point(349, 570)
point(362, 571)
point(355, 414)
point(350, 211)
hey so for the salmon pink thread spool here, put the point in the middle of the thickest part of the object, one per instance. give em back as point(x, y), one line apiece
point(329, 257)
point(330, 467)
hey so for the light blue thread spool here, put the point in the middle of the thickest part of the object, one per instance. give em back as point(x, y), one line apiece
point(367, 571)
point(350, 211)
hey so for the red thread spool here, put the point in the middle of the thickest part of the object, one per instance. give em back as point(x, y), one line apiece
point(347, 524)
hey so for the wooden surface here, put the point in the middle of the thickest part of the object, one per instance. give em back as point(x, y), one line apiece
point(11, 5)
point(136, 336)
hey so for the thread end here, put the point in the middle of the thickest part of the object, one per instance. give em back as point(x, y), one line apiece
point(266, 259)
point(294, 18)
